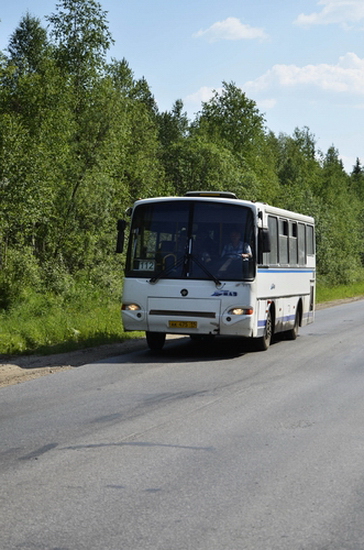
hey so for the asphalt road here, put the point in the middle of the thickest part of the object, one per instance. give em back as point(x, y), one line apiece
point(198, 448)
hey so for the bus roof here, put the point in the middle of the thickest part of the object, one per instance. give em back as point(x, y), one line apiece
point(227, 197)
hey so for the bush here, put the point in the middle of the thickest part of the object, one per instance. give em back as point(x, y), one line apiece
point(20, 273)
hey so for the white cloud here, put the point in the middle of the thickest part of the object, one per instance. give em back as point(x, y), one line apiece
point(266, 103)
point(202, 95)
point(346, 76)
point(334, 11)
point(348, 162)
point(231, 29)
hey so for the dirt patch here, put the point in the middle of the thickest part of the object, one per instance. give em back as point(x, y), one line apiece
point(15, 369)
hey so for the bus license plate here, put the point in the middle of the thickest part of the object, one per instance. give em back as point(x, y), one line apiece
point(182, 324)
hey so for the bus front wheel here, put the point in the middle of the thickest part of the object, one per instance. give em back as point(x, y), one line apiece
point(155, 340)
point(264, 342)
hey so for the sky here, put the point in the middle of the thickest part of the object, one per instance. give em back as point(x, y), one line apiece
point(301, 61)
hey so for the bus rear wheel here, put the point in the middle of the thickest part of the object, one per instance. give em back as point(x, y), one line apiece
point(155, 340)
point(293, 332)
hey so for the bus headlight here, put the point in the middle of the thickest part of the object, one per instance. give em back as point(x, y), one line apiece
point(241, 311)
point(130, 307)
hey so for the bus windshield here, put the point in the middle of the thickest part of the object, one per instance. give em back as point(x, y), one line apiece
point(191, 239)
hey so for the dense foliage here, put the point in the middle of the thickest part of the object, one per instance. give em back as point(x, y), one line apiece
point(81, 138)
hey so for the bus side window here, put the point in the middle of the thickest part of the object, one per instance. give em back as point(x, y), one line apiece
point(293, 251)
point(283, 241)
point(310, 240)
point(271, 258)
point(301, 237)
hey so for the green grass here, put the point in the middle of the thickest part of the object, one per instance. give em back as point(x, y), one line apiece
point(326, 294)
point(46, 323)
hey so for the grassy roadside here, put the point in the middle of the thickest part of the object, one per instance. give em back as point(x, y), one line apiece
point(47, 324)
point(327, 294)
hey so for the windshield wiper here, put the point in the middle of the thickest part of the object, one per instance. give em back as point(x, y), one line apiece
point(167, 270)
point(185, 260)
point(205, 270)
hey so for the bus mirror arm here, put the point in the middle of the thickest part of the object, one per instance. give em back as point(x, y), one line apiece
point(121, 225)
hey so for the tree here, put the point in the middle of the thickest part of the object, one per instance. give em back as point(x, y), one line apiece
point(296, 157)
point(173, 125)
point(339, 235)
point(28, 44)
point(82, 37)
point(194, 163)
point(357, 169)
point(298, 170)
point(140, 168)
point(231, 120)
point(357, 180)
point(32, 121)
point(334, 180)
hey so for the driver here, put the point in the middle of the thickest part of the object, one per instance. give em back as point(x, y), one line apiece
point(236, 249)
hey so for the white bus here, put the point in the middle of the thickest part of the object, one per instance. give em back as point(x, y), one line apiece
point(210, 264)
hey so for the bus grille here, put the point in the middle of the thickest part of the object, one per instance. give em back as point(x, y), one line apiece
point(168, 313)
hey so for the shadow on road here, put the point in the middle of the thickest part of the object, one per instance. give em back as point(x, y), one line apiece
point(184, 349)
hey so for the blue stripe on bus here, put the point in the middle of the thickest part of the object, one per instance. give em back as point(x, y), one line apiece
point(261, 323)
point(283, 270)
point(285, 319)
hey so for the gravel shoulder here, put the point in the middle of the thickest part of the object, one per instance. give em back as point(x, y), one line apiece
point(17, 369)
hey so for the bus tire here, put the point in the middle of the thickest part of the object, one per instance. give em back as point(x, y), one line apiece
point(264, 342)
point(155, 340)
point(293, 332)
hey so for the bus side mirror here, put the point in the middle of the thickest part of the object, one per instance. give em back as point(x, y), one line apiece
point(121, 225)
point(264, 241)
